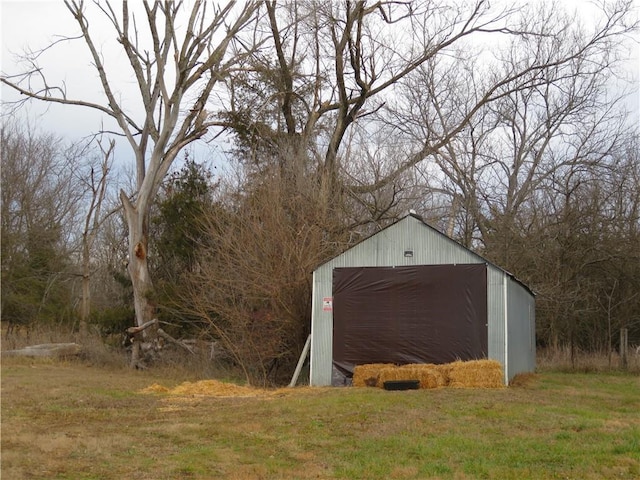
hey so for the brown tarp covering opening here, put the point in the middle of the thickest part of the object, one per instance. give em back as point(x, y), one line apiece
point(415, 314)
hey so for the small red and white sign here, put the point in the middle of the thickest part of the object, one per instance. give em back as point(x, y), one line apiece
point(327, 304)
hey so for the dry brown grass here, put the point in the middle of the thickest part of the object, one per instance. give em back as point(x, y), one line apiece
point(97, 351)
point(94, 350)
point(562, 359)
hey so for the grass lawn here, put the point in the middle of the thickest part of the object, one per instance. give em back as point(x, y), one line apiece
point(72, 421)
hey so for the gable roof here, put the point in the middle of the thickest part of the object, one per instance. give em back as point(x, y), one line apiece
point(438, 232)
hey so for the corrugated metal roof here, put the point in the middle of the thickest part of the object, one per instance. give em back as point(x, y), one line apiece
point(419, 218)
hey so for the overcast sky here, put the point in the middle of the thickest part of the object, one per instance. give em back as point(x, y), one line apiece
point(33, 24)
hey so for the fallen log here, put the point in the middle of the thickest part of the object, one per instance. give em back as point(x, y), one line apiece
point(52, 350)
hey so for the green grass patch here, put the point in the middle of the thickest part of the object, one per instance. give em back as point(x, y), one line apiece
point(71, 421)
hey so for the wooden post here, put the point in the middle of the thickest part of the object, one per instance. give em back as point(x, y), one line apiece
point(303, 356)
point(624, 347)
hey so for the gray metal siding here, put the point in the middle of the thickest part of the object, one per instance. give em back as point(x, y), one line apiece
point(386, 248)
point(521, 343)
point(495, 314)
point(321, 330)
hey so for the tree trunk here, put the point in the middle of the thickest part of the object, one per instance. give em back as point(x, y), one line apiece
point(92, 222)
point(85, 304)
point(140, 279)
point(138, 267)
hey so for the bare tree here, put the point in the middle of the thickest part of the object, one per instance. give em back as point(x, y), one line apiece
point(96, 182)
point(548, 57)
point(523, 176)
point(325, 68)
point(177, 55)
point(328, 66)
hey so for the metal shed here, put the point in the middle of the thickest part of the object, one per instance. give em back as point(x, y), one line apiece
point(410, 294)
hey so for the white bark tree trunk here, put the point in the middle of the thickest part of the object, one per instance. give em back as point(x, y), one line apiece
point(145, 309)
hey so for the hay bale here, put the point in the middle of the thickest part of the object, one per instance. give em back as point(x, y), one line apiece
point(428, 374)
point(395, 374)
point(444, 370)
point(367, 375)
point(476, 374)
point(470, 374)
